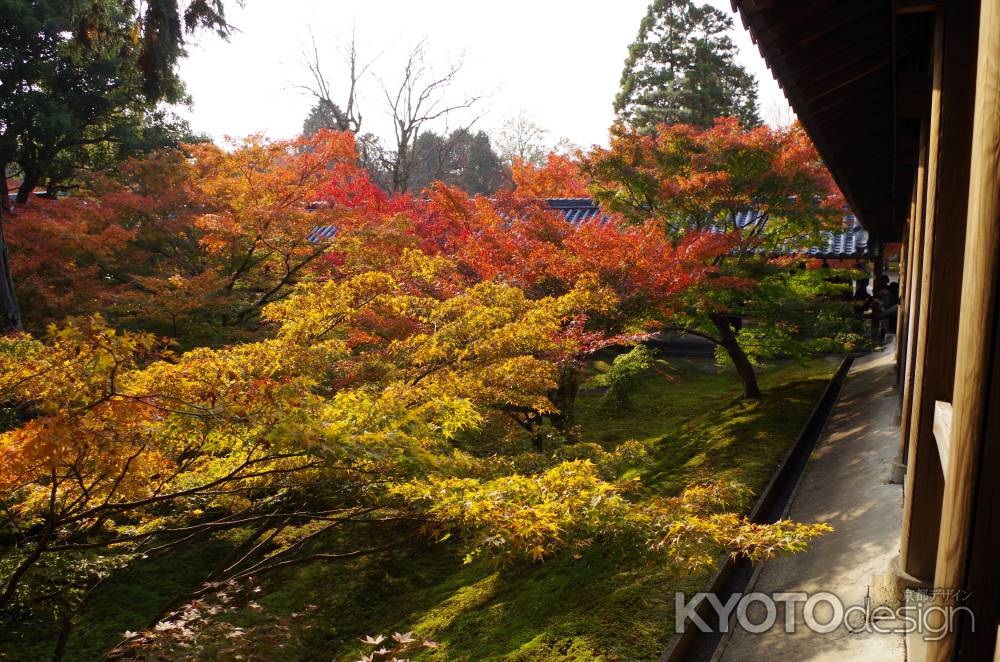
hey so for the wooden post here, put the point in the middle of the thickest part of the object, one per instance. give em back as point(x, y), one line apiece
point(913, 287)
point(905, 261)
point(976, 323)
point(944, 248)
point(918, 543)
point(954, 82)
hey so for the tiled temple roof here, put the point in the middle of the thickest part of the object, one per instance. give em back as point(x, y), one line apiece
point(851, 243)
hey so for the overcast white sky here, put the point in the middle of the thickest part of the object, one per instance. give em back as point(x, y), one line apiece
point(557, 60)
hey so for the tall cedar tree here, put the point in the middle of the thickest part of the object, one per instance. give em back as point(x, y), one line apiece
point(682, 69)
point(462, 158)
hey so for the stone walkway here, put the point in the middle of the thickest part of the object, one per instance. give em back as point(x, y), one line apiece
point(845, 484)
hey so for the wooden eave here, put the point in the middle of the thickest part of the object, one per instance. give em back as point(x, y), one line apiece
point(856, 74)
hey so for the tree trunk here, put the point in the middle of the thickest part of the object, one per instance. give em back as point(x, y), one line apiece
point(65, 629)
point(564, 397)
point(538, 440)
point(10, 314)
point(28, 185)
point(724, 325)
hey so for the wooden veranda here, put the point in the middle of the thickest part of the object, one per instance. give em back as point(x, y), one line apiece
point(902, 98)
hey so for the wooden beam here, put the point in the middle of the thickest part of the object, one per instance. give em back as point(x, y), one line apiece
point(789, 37)
point(856, 110)
point(817, 24)
point(787, 15)
point(976, 327)
point(865, 87)
point(916, 6)
point(772, 26)
point(834, 83)
point(837, 168)
point(863, 37)
point(753, 6)
point(942, 433)
point(835, 63)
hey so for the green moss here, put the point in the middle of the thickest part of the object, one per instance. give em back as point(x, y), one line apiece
point(126, 601)
point(735, 439)
point(605, 605)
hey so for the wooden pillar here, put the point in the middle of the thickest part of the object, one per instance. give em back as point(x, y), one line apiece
point(954, 79)
point(905, 262)
point(879, 265)
point(918, 546)
point(913, 288)
point(976, 639)
point(976, 328)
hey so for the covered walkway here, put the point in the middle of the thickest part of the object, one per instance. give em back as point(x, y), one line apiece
point(845, 484)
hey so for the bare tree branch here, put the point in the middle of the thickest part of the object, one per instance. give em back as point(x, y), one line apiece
point(346, 117)
point(420, 97)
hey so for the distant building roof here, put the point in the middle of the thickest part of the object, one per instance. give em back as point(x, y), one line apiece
point(851, 243)
point(322, 232)
point(575, 210)
point(14, 183)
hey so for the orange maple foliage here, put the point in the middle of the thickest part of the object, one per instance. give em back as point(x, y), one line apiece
point(208, 233)
point(559, 177)
point(689, 178)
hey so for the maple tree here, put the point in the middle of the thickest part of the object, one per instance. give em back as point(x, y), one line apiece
point(127, 449)
point(763, 192)
point(646, 271)
point(369, 342)
point(258, 221)
point(557, 177)
point(521, 241)
point(255, 342)
point(202, 239)
point(64, 250)
point(83, 86)
point(623, 374)
point(343, 417)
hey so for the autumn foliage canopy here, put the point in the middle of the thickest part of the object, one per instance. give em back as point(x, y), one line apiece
point(258, 340)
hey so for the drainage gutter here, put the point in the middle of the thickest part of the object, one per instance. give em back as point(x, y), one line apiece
point(734, 575)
